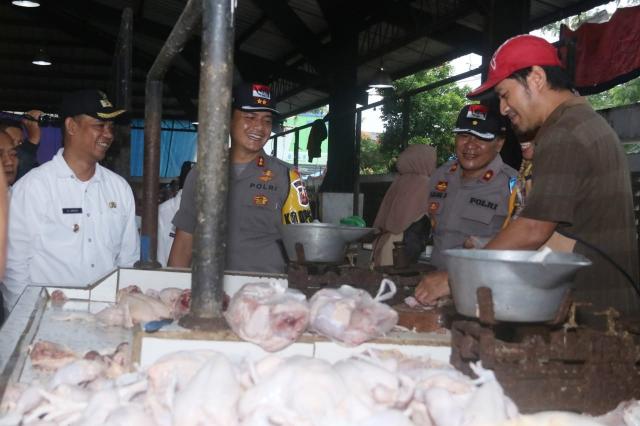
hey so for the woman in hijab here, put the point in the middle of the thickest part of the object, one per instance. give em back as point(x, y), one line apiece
point(405, 205)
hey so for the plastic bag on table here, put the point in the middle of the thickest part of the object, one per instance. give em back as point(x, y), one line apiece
point(268, 315)
point(351, 316)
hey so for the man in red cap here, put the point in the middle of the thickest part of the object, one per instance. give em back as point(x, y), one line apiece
point(581, 185)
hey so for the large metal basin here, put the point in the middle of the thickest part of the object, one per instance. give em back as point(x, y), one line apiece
point(523, 290)
point(322, 242)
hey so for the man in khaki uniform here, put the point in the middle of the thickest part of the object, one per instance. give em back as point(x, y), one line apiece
point(468, 196)
point(264, 192)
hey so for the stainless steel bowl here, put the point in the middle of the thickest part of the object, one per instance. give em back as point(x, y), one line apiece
point(523, 290)
point(322, 242)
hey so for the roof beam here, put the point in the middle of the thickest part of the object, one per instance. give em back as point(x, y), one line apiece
point(65, 15)
point(290, 24)
point(562, 13)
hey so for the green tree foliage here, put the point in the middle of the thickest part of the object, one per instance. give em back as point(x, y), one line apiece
point(372, 160)
point(622, 94)
point(432, 113)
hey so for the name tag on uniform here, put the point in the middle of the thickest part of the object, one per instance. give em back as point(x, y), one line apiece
point(72, 210)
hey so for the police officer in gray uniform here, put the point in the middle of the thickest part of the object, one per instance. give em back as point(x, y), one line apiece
point(469, 196)
point(264, 192)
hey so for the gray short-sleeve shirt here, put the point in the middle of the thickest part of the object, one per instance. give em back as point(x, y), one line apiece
point(459, 209)
point(254, 214)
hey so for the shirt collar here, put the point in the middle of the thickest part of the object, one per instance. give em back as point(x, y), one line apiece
point(63, 170)
point(557, 113)
point(489, 172)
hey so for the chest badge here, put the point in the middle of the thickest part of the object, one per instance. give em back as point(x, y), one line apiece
point(267, 175)
point(260, 200)
point(487, 175)
point(453, 167)
point(112, 204)
point(442, 185)
point(260, 161)
point(76, 227)
point(433, 207)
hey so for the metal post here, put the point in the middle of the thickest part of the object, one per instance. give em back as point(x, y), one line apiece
point(180, 34)
point(296, 147)
point(406, 116)
point(122, 62)
point(356, 178)
point(214, 110)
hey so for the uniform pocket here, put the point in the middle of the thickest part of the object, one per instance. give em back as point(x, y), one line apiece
point(111, 227)
point(258, 219)
point(482, 208)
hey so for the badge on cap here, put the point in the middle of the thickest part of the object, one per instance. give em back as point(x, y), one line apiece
point(267, 175)
point(487, 175)
point(261, 93)
point(260, 161)
point(478, 111)
point(104, 101)
point(442, 186)
point(260, 200)
point(454, 167)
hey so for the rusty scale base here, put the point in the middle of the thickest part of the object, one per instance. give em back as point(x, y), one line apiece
point(555, 366)
point(309, 278)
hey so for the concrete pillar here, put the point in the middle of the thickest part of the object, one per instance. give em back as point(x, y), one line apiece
point(341, 160)
point(505, 19)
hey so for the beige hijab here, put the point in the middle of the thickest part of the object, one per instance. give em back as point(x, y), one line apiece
point(407, 198)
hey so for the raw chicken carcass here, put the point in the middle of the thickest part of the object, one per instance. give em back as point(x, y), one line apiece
point(351, 316)
point(80, 371)
point(182, 305)
point(268, 315)
point(132, 308)
point(169, 375)
point(144, 308)
point(387, 418)
point(210, 397)
point(117, 315)
point(58, 298)
point(377, 387)
point(488, 405)
point(300, 391)
point(176, 299)
point(50, 356)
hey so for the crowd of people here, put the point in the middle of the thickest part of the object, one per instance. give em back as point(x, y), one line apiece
point(71, 221)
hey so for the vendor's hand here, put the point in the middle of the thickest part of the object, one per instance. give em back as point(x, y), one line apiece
point(32, 126)
point(432, 287)
point(469, 243)
point(473, 242)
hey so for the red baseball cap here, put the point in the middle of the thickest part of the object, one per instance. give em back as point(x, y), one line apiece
point(516, 53)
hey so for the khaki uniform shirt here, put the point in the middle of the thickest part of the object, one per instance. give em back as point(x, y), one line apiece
point(258, 203)
point(459, 209)
point(581, 181)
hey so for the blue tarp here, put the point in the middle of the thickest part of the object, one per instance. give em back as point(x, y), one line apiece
point(178, 142)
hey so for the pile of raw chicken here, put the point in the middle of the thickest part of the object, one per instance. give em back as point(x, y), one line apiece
point(207, 388)
point(268, 314)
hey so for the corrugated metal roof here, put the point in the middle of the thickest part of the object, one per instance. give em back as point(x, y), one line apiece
point(290, 44)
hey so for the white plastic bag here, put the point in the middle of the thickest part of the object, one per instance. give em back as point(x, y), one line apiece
point(351, 316)
point(268, 315)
